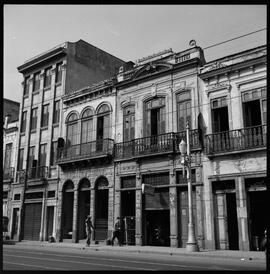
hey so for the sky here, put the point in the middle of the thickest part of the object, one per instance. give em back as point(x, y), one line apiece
point(129, 32)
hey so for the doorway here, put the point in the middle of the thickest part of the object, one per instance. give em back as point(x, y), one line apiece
point(157, 227)
point(232, 222)
point(15, 220)
point(50, 215)
point(101, 209)
point(257, 203)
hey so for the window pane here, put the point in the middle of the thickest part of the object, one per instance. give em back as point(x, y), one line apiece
point(26, 85)
point(58, 78)
point(36, 82)
point(7, 160)
point(56, 112)
point(47, 80)
point(45, 116)
point(20, 160)
point(34, 119)
point(42, 155)
point(23, 125)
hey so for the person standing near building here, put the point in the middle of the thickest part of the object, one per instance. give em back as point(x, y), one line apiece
point(117, 233)
point(88, 227)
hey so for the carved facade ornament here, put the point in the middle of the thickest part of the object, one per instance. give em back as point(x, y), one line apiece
point(215, 65)
point(218, 86)
point(154, 90)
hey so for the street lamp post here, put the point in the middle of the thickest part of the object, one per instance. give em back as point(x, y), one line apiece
point(186, 162)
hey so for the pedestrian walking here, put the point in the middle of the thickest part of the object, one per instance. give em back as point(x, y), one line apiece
point(117, 232)
point(88, 228)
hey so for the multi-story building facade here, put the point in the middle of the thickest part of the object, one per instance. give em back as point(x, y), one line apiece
point(10, 133)
point(47, 78)
point(234, 163)
point(155, 100)
point(86, 161)
point(120, 133)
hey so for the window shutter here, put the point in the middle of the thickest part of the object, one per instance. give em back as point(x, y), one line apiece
point(132, 128)
point(148, 123)
point(126, 128)
point(162, 120)
point(106, 124)
point(188, 114)
point(264, 116)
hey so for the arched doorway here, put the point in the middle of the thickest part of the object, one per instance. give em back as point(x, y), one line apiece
point(83, 206)
point(67, 209)
point(101, 208)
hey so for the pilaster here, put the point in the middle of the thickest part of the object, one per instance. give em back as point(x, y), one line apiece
point(138, 232)
point(241, 205)
point(75, 217)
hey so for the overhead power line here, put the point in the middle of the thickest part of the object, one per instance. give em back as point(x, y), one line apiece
point(234, 38)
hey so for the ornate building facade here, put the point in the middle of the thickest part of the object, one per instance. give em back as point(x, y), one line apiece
point(120, 133)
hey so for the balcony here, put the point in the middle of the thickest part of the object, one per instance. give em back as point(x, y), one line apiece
point(8, 174)
point(238, 140)
point(40, 172)
point(84, 152)
point(155, 145)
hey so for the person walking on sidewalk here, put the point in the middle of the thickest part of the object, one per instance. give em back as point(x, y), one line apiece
point(88, 227)
point(117, 233)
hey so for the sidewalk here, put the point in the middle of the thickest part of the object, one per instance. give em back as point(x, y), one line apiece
point(222, 254)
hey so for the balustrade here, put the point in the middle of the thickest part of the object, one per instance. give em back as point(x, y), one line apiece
point(85, 150)
point(239, 139)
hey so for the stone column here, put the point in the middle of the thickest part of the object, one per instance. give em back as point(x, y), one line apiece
point(241, 205)
point(75, 217)
point(43, 227)
point(110, 211)
point(138, 232)
point(117, 201)
point(173, 209)
point(92, 209)
point(59, 229)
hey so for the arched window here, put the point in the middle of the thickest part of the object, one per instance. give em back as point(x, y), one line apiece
point(155, 117)
point(129, 123)
point(183, 110)
point(72, 129)
point(103, 122)
point(87, 126)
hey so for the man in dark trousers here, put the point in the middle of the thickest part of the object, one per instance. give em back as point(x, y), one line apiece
point(117, 233)
point(88, 228)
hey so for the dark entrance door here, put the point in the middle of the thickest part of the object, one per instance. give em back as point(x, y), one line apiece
point(15, 219)
point(157, 227)
point(232, 222)
point(101, 209)
point(83, 211)
point(50, 215)
point(32, 221)
point(67, 214)
point(257, 221)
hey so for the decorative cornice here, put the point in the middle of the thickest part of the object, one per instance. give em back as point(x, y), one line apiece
point(218, 86)
point(254, 79)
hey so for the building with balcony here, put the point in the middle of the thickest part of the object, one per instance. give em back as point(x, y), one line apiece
point(155, 99)
point(48, 77)
point(86, 161)
point(234, 163)
point(10, 135)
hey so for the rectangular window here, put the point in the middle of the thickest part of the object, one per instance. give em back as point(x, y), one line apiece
point(56, 112)
point(58, 76)
point(47, 77)
point(183, 110)
point(23, 123)
point(53, 153)
point(7, 160)
point(26, 85)
point(31, 156)
point(34, 119)
point(20, 159)
point(220, 119)
point(36, 82)
point(45, 116)
point(42, 155)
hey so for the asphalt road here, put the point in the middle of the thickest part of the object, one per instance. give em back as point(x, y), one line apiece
point(42, 258)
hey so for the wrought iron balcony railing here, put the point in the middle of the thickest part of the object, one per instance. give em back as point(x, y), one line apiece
point(235, 140)
point(163, 143)
point(84, 151)
point(8, 174)
point(40, 172)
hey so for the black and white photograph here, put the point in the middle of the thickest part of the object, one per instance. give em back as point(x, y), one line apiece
point(134, 137)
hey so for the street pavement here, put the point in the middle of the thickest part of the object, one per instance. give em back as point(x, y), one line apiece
point(76, 256)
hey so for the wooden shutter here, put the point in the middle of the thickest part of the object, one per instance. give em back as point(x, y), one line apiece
point(106, 125)
point(264, 113)
point(162, 121)
point(148, 123)
point(181, 117)
point(126, 128)
point(132, 126)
